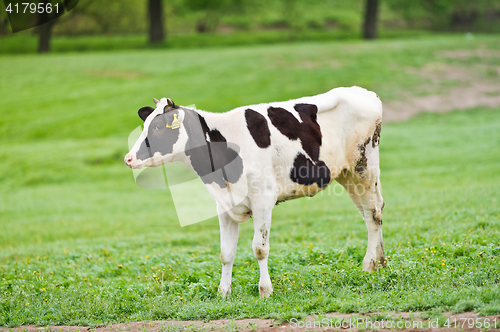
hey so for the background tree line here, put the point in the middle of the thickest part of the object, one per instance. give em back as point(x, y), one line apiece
point(158, 18)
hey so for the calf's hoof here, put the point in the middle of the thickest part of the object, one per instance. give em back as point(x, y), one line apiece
point(265, 290)
point(370, 264)
point(224, 291)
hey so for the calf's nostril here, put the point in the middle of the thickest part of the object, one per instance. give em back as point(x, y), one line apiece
point(128, 159)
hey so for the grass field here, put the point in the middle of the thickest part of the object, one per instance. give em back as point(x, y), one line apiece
point(82, 244)
point(28, 43)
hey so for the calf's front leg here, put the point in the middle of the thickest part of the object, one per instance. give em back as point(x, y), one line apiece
point(260, 245)
point(228, 245)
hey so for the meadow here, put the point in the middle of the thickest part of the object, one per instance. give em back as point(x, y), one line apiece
point(81, 244)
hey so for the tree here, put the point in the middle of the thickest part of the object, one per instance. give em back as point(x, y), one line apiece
point(156, 24)
point(44, 33)
point(371, 17)
point(4, 21)
point(46, 21)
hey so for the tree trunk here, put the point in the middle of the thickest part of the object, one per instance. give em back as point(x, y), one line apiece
point(155, 12)
point(4, 24)
point(44, 35)
point(370, 24)
point(44, 32)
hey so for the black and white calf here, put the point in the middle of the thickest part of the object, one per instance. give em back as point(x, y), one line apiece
point(268, 153)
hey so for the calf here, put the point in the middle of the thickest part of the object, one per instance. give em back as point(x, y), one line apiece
point(269, 153)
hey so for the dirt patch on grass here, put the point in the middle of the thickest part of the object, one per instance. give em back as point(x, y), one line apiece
point(457, 86)
point(466, 54)
point(389, 321)
point(459, 98)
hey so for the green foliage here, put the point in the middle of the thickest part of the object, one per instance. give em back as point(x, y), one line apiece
point(77, 233)
point(448, 14)
point(104, 17)
point(206, 4)
point(114, 17)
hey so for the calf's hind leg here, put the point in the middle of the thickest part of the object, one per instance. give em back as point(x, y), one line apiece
point(366, 194)
point(373, 203)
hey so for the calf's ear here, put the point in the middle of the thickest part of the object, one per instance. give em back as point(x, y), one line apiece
point(144, 112)
point(170, 103)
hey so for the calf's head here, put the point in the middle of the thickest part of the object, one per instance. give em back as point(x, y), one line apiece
point(162, 137)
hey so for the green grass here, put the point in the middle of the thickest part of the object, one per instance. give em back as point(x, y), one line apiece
point(24, 43)
point(77, 233)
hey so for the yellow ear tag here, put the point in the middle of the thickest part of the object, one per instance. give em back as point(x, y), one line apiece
point(175, 123)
